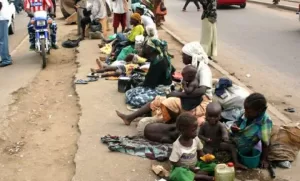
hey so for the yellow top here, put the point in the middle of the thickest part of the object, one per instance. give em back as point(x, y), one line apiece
point(137, 30)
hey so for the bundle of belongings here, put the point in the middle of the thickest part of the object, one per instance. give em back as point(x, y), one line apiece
point(138, 147)
point(284, 144)
point(231, 97)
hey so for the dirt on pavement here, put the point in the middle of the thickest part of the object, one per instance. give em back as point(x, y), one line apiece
point(42, 121)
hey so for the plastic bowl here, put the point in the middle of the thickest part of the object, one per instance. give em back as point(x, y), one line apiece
point(250, 158)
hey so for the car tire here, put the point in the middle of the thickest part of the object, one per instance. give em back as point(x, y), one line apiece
point(243, 5)
point(11, 28)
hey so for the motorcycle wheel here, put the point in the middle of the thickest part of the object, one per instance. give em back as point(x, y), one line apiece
point(43, 53)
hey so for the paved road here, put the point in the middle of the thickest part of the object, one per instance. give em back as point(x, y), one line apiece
point(25, 68)
point(21, 30)
point(258, 40)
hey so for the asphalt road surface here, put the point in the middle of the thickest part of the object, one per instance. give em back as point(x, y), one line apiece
point(25, 66)
point(260, 41)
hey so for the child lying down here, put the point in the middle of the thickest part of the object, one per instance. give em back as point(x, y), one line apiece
point(114, 70)
point(153, 130)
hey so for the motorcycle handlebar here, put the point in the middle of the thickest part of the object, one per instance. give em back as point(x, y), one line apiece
point(31, 15)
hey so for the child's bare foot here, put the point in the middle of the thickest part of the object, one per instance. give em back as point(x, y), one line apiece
point(99, 64)
point(240, 166)
point(93, 70)
point(124, 118)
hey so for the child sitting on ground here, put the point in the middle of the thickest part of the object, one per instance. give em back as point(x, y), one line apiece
point(186, 152)
point(152, 129)
point(215, 135)
point(114, 71)
point(189, 84)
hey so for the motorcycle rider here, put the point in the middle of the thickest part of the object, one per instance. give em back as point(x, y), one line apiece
point(32, 6)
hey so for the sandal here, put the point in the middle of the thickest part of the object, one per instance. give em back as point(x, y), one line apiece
point(80, 81)
point(92, 79)
point(291, 110)
point(93, 74)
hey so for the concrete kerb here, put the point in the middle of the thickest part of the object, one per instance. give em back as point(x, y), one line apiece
point(271, 108)
point(286, 7)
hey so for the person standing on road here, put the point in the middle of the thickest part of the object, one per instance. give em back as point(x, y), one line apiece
point(209, 27)
point(188, 2)
point(120, 8)
point(5, 58)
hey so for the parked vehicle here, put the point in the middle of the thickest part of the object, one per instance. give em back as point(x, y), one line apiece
point(41, 22)
point(241, 3)
point(11, 21)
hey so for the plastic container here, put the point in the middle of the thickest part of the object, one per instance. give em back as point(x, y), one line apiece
point(250, 158)
point(224, 172)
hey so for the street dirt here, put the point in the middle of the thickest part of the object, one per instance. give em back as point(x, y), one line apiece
point(42, 130)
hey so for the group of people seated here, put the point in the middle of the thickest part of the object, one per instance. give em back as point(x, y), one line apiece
point(187, 115)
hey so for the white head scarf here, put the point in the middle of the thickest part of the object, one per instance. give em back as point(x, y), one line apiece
point(195, 50)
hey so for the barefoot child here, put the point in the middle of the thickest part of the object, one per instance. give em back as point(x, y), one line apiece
point(215, 134)
point(114, 71)
point(186, 152)
point(189, 84)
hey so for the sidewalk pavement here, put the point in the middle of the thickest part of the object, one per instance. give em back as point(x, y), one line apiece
point(98, 102)
point(291, 5)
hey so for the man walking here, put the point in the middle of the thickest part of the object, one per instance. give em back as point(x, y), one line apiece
point(188, 2)
point(5, 58)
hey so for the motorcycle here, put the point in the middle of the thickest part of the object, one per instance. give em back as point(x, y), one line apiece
point(41, 21)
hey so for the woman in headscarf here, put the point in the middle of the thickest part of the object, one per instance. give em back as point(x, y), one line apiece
point(166, 109)
point(158, 76)
point(137, 29)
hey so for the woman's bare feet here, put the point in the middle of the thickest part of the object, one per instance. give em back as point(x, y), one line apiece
point(239, 166)
point(124, 117)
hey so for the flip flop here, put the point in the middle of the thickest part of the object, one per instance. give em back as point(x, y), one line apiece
point(80, 81)
point(92, 79)
point(94, 75)
point(291, 110)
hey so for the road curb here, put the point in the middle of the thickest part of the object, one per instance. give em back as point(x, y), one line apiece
point(271, 108)
point(286, 7)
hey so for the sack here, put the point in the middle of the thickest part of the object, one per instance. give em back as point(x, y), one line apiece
point(161, 9)
point(284, 143)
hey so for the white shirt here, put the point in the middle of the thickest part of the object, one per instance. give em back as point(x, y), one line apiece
point(5, 11)
point(118, 6)
point(186, 156)
point(205, 79)
point(146, 21)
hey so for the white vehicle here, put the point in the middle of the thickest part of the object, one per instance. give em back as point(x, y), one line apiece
point(12, 12)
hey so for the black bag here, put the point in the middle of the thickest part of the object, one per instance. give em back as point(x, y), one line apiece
point(71, 43)
point(96, 26)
